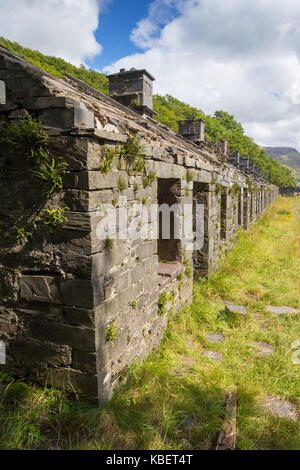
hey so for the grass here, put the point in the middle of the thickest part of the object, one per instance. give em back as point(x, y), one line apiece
point(176, 382)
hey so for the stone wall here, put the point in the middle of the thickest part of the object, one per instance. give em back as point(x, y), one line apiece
point(73, 309)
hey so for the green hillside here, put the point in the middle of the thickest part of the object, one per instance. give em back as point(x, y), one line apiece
point(286, 156)
point(218, 127)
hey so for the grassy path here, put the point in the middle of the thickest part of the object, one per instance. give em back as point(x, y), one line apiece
point(176, 398)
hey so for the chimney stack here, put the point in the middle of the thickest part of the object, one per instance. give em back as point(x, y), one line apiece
point(234, 159)
point(192, 129)
point(134, 89)
point(223, 146)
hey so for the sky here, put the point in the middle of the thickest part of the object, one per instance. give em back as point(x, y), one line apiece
point(240, 56)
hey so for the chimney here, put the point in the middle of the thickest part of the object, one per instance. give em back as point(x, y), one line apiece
point(234, 159)
point(251, 167)
point(134, 89)
point(244, 162)
point(255, 170)
point(223, 146)
point(192, 129)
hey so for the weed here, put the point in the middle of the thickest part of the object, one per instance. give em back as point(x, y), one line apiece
point(54, 218)
point(218, 189)
point(149, 179)
point(112, 332)
point(27, 137)
point(190, 175)
point(189, 272)
point(139, 165)
point(136, 187)
point(122, 185)
point(162, 302)
point(108, 160)
point(186, 260)
point(51, 173)
point(186, 191)
point(21, 232)
point(109, 243)
point(132, 152)
point(235, 190)
point(134, 304)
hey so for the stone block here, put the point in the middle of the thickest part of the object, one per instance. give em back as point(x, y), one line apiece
point(81, 338)
point(111, 136)
point(93, 180)
point(72, 292)
point(236, 309)
point(26, 86)
point(33, 351)
point(39, 289)
point(50, 102)
point(67, 118)
point(79, 221)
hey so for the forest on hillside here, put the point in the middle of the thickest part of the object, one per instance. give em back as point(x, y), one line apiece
point(169, 110)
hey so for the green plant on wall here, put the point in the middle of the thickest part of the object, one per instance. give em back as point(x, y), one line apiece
point(20, 232)
point(149, 179)
point(186, 260)
point(122, 185)
point(112, 332)
point(136, 187)
point(132, 151)
point(109, 243)
point(139, 165)
point(235, 190)
point(189, 272)
point(51, 173)
point(186, 191)
point(27, 137)
point(108, 159)
point(54, 218)
point(218, 188)
point(223, 226)
point(162, 302)
point(190, 175)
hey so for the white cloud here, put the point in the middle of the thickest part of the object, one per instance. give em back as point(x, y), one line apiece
point(238, 55)
point(63, 28)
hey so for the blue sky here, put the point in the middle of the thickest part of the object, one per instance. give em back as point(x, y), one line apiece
point(115, 25)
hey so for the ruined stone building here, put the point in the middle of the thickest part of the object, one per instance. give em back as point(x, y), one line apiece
point(75, 307)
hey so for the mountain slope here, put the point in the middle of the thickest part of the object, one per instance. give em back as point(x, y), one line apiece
point(169, 110)
point(287, 156)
